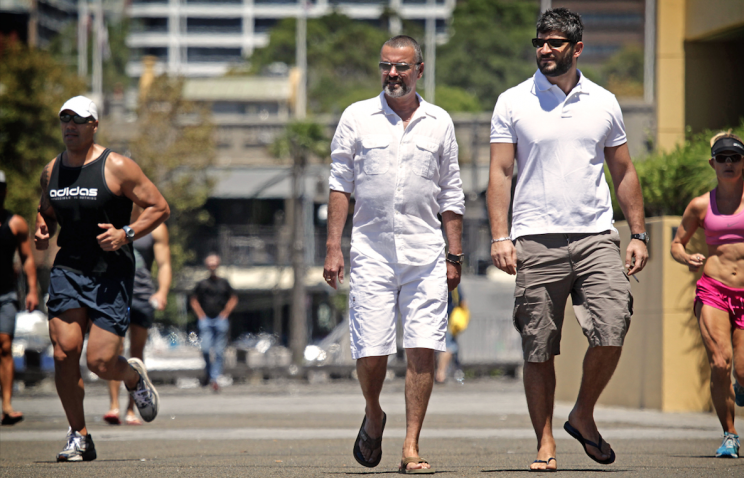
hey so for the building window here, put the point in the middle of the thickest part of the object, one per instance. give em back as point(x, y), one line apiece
point(213, 55)
point(161, 53)
point(593, 50)
point(215, 2)
point(150, 25)
point(214, 25)
point(263, 25)
point(615, 21)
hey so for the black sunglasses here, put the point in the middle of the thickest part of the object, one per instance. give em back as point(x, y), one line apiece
point(77, 119)
point(724, 158)
point(401, 67)
point(553, 42)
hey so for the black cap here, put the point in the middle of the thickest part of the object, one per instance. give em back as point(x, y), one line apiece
point(727, 144)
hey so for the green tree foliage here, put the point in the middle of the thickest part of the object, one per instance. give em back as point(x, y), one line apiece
point(489, 50)
point(174, 146)
point(33, 86)
point(623, 72)
point(671, 180)
point(64, 48)
point(302, 139)
point(342, 58)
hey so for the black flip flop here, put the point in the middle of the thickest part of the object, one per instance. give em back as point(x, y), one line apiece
point(545, 470)
point(11, 420)
point(584, 442)
point(372, 443)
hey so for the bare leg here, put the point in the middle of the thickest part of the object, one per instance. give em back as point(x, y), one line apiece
point(419, 382)
point(104, 359)
point(715, 328)
point(371, 372)
point(599, 365)
point(539, 388)
point(442, 364)
point(137, 340)
point(738, 340)
point(6, 374)
point(114, 388)
point(67, 333)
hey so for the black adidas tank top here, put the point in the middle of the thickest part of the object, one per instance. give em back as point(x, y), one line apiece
point(81, 200)
point(8, 246)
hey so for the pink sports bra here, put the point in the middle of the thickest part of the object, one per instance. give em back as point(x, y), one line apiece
point(721, 228)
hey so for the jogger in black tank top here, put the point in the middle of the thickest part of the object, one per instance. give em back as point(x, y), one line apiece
point(89, 191)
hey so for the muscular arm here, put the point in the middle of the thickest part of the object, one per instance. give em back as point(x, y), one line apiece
point(46, 220)
point(20, 229)
point(691, 220)
point(628, 192)
point(453, 229)
point(161, 248)
point(498, 194)
point(125, 177)
point(338, 209)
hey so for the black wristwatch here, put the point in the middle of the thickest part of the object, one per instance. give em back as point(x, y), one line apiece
point(129, 233)
point(455, 258)
point(641, 237)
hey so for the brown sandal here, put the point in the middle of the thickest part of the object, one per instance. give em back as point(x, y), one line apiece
point(416, 471)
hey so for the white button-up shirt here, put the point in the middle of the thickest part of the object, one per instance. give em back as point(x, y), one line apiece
point(560, 141)
point(402, 178)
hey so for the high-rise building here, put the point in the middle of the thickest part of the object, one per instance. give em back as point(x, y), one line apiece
point(202, 38)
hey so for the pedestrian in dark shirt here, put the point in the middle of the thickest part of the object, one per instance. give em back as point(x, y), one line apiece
point(213, 300)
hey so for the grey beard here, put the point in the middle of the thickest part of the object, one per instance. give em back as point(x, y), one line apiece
point(561, 67)
point(402, 91)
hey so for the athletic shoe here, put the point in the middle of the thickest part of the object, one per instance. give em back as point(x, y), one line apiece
point(144, 394)
point(730, 446)
point(78, 448)
point(738, 394)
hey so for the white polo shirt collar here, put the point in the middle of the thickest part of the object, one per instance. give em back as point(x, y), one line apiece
point(542, 84)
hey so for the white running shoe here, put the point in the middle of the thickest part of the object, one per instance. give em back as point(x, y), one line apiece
point(144, 394)
point(78, 448)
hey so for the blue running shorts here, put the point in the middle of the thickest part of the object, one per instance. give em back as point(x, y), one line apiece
point(106, 298)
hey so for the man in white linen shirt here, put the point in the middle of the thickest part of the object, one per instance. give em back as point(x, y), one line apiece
point(398, 154)
point(562, 128)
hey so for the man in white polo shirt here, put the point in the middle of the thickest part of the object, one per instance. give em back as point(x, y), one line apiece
point(398, 154)
point(562, 128)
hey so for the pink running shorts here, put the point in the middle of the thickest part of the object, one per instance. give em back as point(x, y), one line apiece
point(714, 294)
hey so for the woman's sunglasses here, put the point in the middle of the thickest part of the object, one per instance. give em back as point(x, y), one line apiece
point(77, 119)
point(725, 158)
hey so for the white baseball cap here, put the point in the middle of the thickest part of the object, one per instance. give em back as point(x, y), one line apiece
point(81, 105)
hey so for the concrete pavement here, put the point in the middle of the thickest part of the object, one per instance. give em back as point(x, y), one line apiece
point(294, 429)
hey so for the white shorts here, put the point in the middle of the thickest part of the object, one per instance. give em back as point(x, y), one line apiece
point(380, 290)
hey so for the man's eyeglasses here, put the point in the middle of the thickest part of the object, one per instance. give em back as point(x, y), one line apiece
point(553, 42)
point(77, 119)
point(725, 158)
point(400, 67)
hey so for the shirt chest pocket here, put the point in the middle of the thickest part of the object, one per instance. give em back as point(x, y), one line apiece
point(375, 154)
point(425, 157)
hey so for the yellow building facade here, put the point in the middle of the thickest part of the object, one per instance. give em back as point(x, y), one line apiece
point(699, 72)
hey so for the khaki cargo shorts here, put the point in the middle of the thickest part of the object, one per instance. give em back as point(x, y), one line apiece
point(588, 267)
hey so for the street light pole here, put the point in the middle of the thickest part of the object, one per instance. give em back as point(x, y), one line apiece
point(649, 53)
point(82, 40)
point(545, 5)
point(431, 51)
point(301, 52)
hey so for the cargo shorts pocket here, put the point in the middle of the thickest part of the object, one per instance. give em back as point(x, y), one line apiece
point(375, 155)
point(533, 311)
